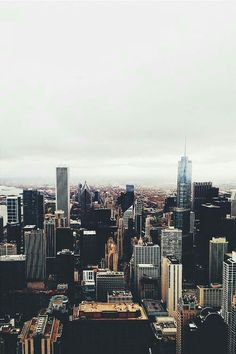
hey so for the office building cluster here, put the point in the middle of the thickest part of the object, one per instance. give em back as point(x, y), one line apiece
point(114, 270)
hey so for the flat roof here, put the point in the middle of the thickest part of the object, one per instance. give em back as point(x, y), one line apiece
point(132, 311)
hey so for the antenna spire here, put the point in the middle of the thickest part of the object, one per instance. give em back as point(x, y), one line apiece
point(185, 145)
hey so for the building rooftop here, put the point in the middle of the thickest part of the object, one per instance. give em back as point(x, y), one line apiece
point(153, 306)
point(12, 258)
point(109, 311)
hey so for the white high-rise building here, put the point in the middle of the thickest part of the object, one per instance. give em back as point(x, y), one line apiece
point(217, 249)
point(232, 328)
point(13, 209)
point(171, 283)
point(128, 214)
point(229, 286)
point(63, 191)
point(171, 243)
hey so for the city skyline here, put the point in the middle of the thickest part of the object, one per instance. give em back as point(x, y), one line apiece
point(118, 100)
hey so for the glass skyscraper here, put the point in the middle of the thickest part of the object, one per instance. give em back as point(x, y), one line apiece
point(63, 191)
point(184, 181)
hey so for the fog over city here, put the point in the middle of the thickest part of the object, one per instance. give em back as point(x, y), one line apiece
point(112, 89)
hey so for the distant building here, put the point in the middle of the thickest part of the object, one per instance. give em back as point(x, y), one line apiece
point(12, 272)
point(233, 203)
point(148, 276)
point(33, 208)
point(63, 192)
point(13, 209)
point(203, 192)
point(138, 216)
point(88, 247)
point(85, 204)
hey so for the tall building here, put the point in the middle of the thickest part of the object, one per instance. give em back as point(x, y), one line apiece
point(181, 218)
point(232, 328)
point(203, 192)
point(138, 216)
point(128, 214)
point(13, 209)
point(171, 243)
point(50, 234)
point(1, 227)
point(107, 281)
point(33, 208)
point(184, 181)
point(85, 204)
point(148, 229)
point(63, 191)
point(88, 248)
point(120, 238)
point(233, 203)
point(171, 283)
point(60, 220)
point(218, 248)
point(229, 286)
point(35, 251)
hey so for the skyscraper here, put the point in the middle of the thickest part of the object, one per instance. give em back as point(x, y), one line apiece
point(233, 203)
point(218, 248)
point(50, 234)
point(63, 191)
point(138, 214)
point(13, 209)
point(33, 208)
point(35, 251)
point(203, 192)
point(232, 328)
point(171, 243)
point(85, 203)
point(229, 286)
point(171, 283)
point(184, 181)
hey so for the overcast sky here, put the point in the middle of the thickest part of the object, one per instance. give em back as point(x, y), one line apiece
point(112, 88)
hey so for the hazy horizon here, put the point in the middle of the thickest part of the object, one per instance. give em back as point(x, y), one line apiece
point(111, 89)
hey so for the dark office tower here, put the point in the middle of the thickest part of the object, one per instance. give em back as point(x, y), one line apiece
point(224, 203)
point(35, 251)
point(78, 194)
point(207, 333)
point(85, 204)
point(170, 204)
point(138, 216)
point(217, 249)
point(64, 238)
point(33, 208)
point(14, 234)
point(88, 248)
point(50, 234)
point(63, 191)
point(96, 197)
point(65, 267)
point(14, 209)
point(203, 192)
point(1, 228)
point(184, 181)
point(229, 231)
point(12, 272)
point(126, 200)
point(210, 226)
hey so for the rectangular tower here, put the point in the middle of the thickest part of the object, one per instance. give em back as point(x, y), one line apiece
point(63, 191)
